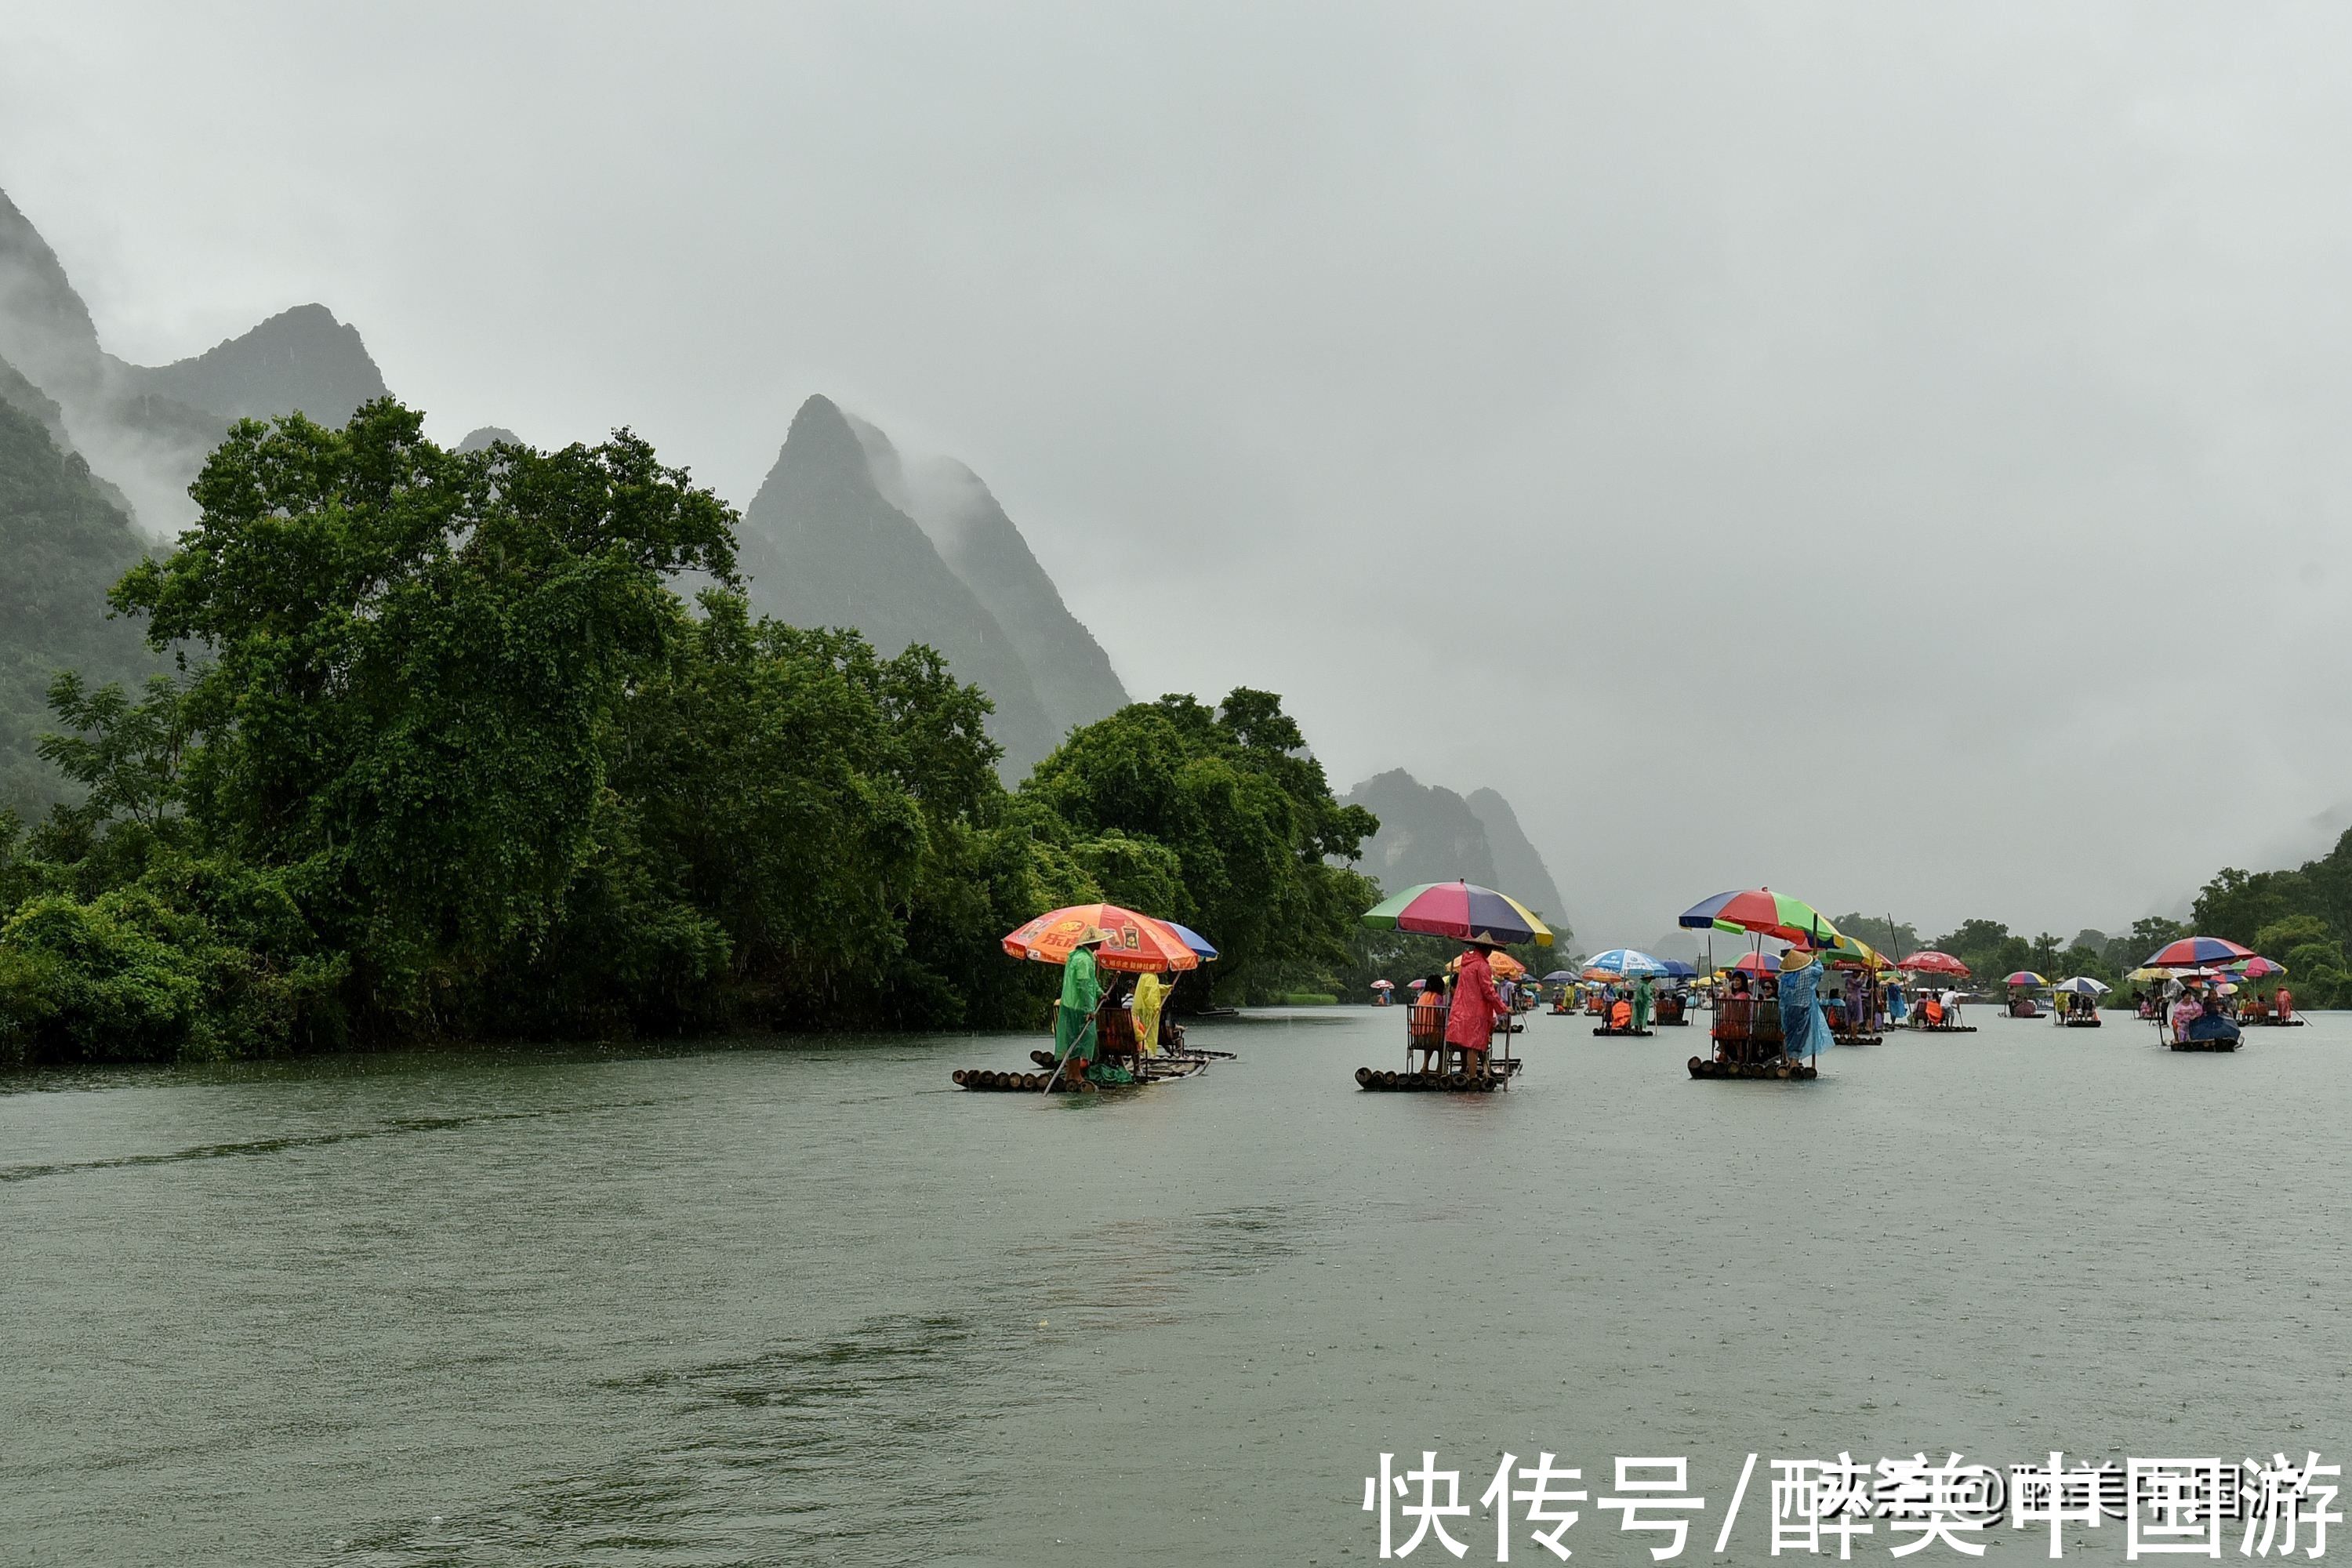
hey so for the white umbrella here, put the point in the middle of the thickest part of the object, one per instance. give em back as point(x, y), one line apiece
point(2083, 986)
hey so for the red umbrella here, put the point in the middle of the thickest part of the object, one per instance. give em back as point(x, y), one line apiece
point(1933, 962)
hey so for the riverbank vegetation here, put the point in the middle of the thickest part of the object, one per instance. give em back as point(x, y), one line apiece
point(441, 752)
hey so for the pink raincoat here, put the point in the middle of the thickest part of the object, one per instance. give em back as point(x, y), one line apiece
point(1477, 1004)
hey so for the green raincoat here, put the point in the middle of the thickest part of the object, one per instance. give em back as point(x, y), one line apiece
point(1074, 1025)
point(1643, 991)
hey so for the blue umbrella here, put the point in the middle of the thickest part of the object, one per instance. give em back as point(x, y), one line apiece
point(1193, 940)
point(1680, 970)
point(1625, 961)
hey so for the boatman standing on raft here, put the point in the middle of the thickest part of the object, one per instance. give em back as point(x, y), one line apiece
point(1074, 1021)
point(1470, 1022)
point(1643, 993)
point(1804, 1031)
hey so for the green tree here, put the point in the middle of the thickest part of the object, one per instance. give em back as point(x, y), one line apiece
point(1248, 815)
point(414, 655)
point(2235, 905)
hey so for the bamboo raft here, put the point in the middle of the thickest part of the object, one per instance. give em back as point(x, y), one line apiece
point(1114, 1042)
point(2079, 1022)
point(1438, 1082)
point(1154, 1069)
point(1624, 1034)
point(1781, 1067)
point(1442, 1067)
point(1748, 1044)
point(2223, 1043)
point(1859, 1039)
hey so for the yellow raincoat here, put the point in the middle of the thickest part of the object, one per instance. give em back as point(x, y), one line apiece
point(1150, 993)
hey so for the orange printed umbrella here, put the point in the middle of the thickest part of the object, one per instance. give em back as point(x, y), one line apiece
point(1129, 941)
point(1503, 965)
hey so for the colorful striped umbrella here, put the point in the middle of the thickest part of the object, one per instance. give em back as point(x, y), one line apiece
point(1763, 912)
point(1462, 911)
point(1134, 942)
point(1755, 963)
point(2192, 951)
point(2024, 977)
point(2258, 967)
point(1622, 962)
point(1933, 963)
point(1501, 964)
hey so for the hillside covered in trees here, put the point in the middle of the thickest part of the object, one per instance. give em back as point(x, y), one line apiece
point(444, 753)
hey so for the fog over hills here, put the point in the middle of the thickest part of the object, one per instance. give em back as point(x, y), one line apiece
point(1429, 834)
point(147, 429)
point(821, 546)
point(63, 542)
point(980, 546)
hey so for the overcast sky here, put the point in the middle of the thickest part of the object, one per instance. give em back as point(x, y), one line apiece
point(1892, 453)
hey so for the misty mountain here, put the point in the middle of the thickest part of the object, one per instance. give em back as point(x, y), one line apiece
point(822, 545)
point(981, 544)
point(1524, 875)
point(485, 438)
point(298, 359)
point(63, 542)
point(1429, 834)
point(146, 430)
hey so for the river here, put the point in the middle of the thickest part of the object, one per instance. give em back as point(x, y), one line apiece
point(803, 1301)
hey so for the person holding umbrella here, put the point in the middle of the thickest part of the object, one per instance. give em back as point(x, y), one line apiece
point(1470, 1022)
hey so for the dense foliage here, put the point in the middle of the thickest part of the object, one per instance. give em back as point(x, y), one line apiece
point(446, 755)
point(1220, 819)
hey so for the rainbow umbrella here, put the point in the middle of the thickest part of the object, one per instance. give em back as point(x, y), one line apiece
point(1130, 942)
point(2191, 951)
point(1621, 963)
point(2257, 967)
point(2024, 977)
point(1763, 913)
point(1462, 911)
point(1755, 963)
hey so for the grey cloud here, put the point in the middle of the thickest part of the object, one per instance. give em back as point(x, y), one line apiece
point(1532, 395)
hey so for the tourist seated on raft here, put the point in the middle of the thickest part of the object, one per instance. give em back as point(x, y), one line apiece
point(1621, 1015)
point(1425, 1023)
point(1932, 1010)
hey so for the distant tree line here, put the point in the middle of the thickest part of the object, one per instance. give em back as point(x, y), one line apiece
point(441, 753)
point(2302, 918)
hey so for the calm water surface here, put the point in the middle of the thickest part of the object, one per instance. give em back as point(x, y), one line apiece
point(806, 1303)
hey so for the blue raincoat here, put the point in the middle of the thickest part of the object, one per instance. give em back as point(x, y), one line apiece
point(1897, 1010)
point(1804, 1031)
